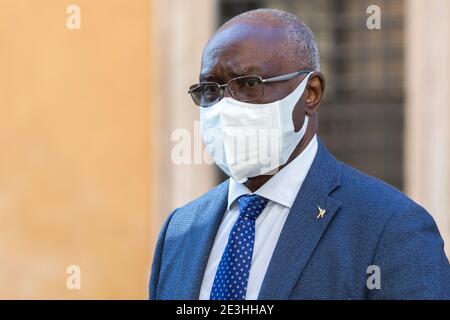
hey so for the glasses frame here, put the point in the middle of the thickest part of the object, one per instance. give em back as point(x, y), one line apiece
point(223, 87)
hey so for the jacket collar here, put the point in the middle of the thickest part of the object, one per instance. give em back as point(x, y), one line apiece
point(303, 228)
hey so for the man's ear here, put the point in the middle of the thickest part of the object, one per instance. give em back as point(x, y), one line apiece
point(315, 90)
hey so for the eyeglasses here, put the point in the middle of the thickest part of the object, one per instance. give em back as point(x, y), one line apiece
point(245, 88)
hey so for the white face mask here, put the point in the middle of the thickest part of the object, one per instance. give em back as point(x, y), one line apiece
point(247, 140)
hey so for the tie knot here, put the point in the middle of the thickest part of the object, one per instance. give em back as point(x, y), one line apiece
point(252, 205)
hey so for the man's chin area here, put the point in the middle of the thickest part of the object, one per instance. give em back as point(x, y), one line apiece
point(252, 181)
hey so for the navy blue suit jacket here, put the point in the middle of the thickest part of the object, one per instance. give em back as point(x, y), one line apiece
point(367, 222)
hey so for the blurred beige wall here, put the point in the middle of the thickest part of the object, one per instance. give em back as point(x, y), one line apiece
point(75, 119)
point(86, 175)
point(427, 110)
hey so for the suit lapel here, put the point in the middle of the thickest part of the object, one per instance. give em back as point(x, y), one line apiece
point(198, 242)
point(303, 230)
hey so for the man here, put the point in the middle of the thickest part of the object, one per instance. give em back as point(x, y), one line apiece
point(292, 222)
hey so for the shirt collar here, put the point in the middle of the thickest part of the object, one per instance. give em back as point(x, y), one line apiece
point(284, 186)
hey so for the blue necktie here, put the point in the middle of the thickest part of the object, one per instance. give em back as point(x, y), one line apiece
point(230, 282)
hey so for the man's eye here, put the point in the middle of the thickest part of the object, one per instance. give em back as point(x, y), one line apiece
point(210, 89)
point(251, 83)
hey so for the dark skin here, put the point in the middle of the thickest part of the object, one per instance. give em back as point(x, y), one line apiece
point(260, 49)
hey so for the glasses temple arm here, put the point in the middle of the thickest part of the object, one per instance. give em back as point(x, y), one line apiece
point(286, 76)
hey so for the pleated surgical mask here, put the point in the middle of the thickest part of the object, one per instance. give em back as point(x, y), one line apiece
point(247, 140)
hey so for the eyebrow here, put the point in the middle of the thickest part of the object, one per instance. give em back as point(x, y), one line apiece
point(238, 71)
point(243, 70)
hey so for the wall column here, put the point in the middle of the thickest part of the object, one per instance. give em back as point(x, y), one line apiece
point(181, 29)
point(428, 108)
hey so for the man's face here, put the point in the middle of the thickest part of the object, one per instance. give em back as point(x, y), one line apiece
point(261, 49)
point(249, 49)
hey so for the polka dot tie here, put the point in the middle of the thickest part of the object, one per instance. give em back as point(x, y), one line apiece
point(230, 282)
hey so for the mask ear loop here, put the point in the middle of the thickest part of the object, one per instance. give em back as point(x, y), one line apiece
point(296, 90)
point(306, 121)
point(302, 130)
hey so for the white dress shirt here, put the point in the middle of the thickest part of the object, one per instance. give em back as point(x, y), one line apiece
point(281, 191)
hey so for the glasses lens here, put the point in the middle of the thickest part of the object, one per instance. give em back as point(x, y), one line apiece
point(248, 88)
point(210, 93)
point(205, 94)
point(196, 93)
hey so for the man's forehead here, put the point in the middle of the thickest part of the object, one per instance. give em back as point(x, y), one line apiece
point(248, 31)
point(244, 45)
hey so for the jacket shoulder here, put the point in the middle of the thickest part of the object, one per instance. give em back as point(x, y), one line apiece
point(372, 196)
point(205, 204)
point(219, 191)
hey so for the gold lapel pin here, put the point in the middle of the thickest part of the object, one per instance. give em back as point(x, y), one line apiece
point(321, 212)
